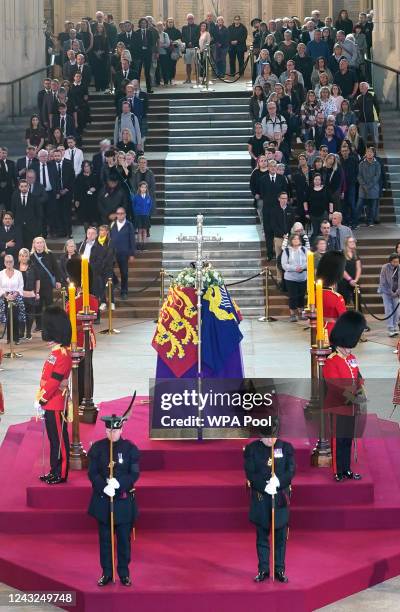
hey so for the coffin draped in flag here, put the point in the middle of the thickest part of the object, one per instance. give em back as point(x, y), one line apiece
point(176, 337)
point(220, 331)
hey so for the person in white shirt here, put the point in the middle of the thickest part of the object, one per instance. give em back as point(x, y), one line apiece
point(11, 290)
point(128, 120)
point(273, 122)
point(74, 154)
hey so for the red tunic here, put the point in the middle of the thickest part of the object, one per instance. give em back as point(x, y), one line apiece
point(334, 306)
point(57, 368)
point(345, 381)
point(94, 307)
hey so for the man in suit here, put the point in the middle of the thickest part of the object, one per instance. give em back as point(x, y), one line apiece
point(7, 178)
point(64, 121)
point(67, 46)
point(122, 237)
point(84, 69)
point(142, 46)
point(40, 193)
point(27, 213)
point(47, 178)
point(48, 101)
point(271, 185)
point(10, 238)
point(190, 36)
point(26, 162)
point(74, 155)
point(282, 219)
point(98, 159)
point(125, 72)
point(95, 253)
point(46, 91)
point(62, 173)
point(127, 35)
point(139, 103)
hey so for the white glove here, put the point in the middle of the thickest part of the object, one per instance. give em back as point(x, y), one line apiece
point(109, 490)
point(37, 406)
point(270, 488)
point(275, 481)
point(113, 482)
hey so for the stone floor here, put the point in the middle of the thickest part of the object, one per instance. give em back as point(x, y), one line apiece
point(126, 362)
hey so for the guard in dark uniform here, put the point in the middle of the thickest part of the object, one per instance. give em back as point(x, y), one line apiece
point(257, 465)
point(330, 270)
point(52, 396)
point(345, 398)
point(120, 488)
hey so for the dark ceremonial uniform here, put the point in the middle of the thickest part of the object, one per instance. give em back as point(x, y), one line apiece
point(126, 471)
point(334, 305)
point(344, 390)
point(57, 368)
point(257, 465)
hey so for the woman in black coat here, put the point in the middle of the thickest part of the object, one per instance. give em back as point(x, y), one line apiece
point(99, 58)
point(85, 195)
point(258, 105)
point(70, 250)
point(318, 205)
point(31, 292)
point(48, 271)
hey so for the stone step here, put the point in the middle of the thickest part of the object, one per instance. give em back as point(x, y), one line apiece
point(173, 194)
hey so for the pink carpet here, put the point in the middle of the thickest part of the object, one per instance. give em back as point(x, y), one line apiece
point(195, 548)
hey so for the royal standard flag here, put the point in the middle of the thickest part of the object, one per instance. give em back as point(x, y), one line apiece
point(220, 333)
point(176, 338)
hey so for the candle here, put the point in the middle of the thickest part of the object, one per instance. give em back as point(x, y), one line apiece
point(310, 279)
point(320, 312)
point(85, 283)
point(72, 312)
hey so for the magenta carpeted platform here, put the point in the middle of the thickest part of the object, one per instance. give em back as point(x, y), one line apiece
point(195, 548)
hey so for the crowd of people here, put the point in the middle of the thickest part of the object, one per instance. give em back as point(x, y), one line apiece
point(311, 91)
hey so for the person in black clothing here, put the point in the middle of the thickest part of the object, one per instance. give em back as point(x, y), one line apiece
point(7, 178)
point(347, 80)
point(123, 239)
point(108, 265)
point(349, 164)
point(10, 238)
point(343, 22)
point(70, 251)
point(120, 489)
point(99, 58)
point(267, 489)
point(258, 105)
point(318, 206)
point(46, 267)
point(94, 252)
point(80, 99)
point(271, 185)
point(127, 36)
point(111, 196)
point(255, 180)
point(86, 188)
point(143, 43)
point(31, 292)
point(62, 179)
point(282, 220)
point(237, 44)
point(300, 180)
point(27, 213)
point(221, 43)
point(256, 144)
point(174, 35)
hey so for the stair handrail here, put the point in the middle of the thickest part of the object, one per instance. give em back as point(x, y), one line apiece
point(390, 69)
point(19, 80)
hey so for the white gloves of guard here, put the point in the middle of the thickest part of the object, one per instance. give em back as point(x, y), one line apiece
point(272, 485)
point(111, 486)
point(37, 406)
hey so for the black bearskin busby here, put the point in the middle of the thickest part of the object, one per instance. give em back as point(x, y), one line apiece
point(331, 267)
point(56, 326)
point(348, 329)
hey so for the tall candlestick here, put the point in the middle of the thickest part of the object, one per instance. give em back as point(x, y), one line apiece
point(320, 312)
point(85, 283)
point(310, 279)
point(72, 313)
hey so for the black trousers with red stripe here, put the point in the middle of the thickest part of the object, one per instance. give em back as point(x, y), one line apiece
point(57, 431)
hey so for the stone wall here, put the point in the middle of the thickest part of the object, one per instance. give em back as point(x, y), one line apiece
point(386, 46)
point(22, 50)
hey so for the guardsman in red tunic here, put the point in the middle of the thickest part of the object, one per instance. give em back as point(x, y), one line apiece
point(52, 396)
point(330, 270)
point(345, 394)
point(74, 272)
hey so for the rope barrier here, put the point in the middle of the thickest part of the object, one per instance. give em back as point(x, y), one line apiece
point(142, 289)
point(374, 316)
point(245, 280)
point(235, 77)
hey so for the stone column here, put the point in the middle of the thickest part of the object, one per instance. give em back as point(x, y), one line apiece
point(386, 49)
point(23, 51)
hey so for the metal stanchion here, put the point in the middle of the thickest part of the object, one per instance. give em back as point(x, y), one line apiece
point(196, 69)
point(11, 354)
point(88, 410)
point(251, 52)
point(322, 453)
point(206, 88)
point(358, 309)
point(313, 404)
point(266, 318)
point(110, 330)
point(162, 290)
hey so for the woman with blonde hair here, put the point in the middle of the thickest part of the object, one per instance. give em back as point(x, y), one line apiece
point(48, 271)
point(30, 292)
point(357, 143)
point(70, 249)
point(328, 106)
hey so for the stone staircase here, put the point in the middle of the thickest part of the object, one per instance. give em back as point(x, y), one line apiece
point(197, 148)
